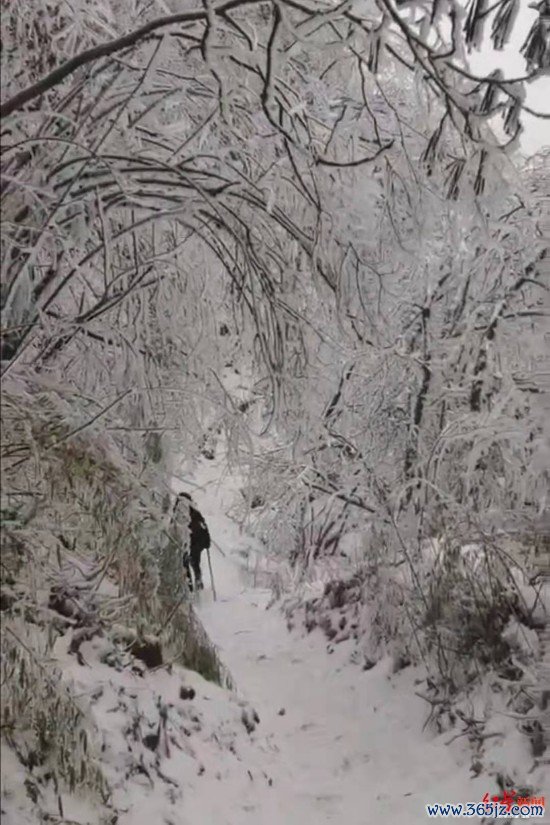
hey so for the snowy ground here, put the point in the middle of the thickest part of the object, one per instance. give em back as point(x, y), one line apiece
point(334, 744)
point(340, 744)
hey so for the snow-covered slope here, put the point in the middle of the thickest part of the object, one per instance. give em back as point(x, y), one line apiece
point(341, 744)
point(307, 735)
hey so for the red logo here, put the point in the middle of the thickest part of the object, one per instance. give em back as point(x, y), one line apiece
point(507, 798)
point(511, 797)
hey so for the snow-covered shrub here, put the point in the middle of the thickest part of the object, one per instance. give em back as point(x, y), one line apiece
point(422, 421)
point(469, 604)
point(83, 547)
point(52, 734)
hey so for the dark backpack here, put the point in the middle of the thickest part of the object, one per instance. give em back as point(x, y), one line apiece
point(199, 535)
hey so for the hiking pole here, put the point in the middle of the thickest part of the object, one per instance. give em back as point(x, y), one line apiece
point(211, 574)
point(217, 546)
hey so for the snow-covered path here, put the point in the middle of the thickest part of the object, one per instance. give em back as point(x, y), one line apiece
point(349, 745)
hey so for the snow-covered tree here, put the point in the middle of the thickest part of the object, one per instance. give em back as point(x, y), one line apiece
point(320, 192)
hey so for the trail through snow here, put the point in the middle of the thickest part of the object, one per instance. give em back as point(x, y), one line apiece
point(340, 744)
point(334, 744)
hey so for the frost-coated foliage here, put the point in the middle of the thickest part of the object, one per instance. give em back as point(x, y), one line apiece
point(431, 421)
point(84, 547)
point(42, 721)
point(316, 194)
point(222, 143)
point(70, 500)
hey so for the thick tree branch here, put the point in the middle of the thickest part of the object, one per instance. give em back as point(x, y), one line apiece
point(59, 74)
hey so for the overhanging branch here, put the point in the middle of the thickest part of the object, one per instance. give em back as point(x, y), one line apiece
point(55, 77)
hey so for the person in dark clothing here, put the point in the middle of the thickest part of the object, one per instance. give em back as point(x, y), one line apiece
point(199, 540)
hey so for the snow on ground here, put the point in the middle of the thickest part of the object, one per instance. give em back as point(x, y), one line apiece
point(333, 744)
point(340, 744)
